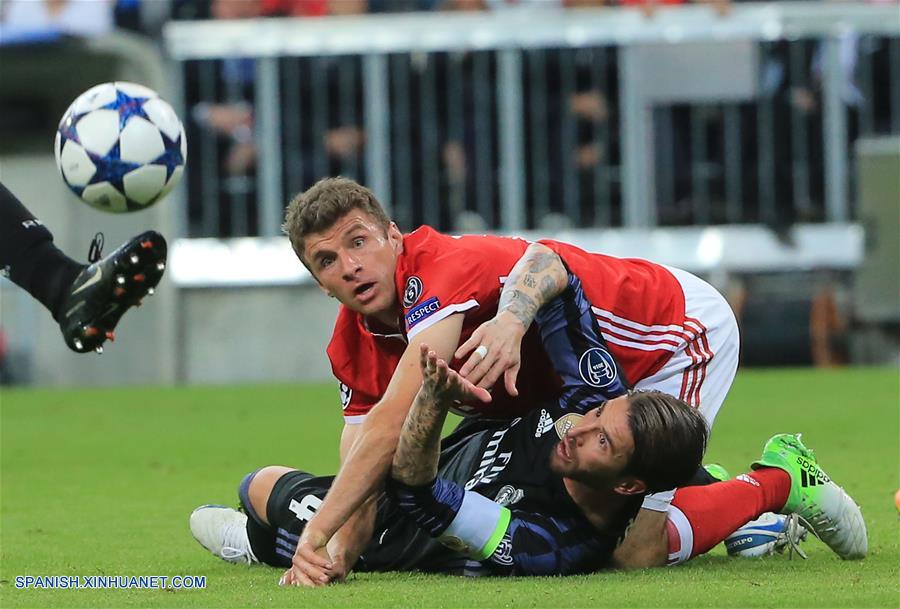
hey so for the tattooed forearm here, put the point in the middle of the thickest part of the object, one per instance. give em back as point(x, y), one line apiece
point(540, 262)
point(538, 277)
point(520, 304)
point(416, 458)
point(550, 288)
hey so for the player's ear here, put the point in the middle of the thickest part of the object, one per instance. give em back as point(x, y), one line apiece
point(395, 236)
point(630, 486)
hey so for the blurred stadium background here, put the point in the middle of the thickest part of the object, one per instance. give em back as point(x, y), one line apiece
point(755, 144)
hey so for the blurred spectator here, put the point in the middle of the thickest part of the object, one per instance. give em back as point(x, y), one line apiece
point(445, 117)
point(41, 42)
point(337, 137)
point(24, 20)
point(236, 9)
point(498, 5)
point(574, 135)
point(295, 8)
point(649, 7)
point(348, 7)
point(233, 120)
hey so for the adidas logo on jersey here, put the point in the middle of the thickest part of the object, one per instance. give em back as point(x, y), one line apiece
point(544, 425)
point(747, 479)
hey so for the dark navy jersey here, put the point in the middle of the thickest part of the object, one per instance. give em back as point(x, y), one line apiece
point(495, 503)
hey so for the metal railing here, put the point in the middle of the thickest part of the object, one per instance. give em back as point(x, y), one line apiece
point(523, 119)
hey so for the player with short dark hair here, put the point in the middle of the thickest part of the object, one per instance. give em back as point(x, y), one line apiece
point(659, 424)
point(318, 208)
point(86, 300)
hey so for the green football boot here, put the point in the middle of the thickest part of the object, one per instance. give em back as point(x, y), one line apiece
point(717, 471)
point(823, 507)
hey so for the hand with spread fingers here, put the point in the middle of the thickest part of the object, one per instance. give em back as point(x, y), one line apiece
point(495, 349)
point(496, 345)
point(443, 385)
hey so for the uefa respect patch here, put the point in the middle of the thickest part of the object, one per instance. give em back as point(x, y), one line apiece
point(422, 311)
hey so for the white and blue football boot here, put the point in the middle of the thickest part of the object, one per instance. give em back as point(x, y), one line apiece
point(766, 535)
point(223, 531)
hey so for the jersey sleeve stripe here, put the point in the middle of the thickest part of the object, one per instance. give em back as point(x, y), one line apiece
point(480, 524)
point(442, 314)
point(690, 374)
point(671, 339)
point(633, 324)
point(706, 354)
point(354, 419)
point(494, 542)
point(639, 346)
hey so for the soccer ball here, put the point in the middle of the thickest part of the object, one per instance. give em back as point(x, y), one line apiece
point(120, 147)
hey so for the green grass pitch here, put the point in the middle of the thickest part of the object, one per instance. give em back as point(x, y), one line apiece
point(101, 482)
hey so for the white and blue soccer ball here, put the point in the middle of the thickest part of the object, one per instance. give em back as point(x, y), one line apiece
point(120, 147)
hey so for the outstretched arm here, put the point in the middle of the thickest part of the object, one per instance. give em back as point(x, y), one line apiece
point(509, 542)
point(351, 539)
point(416, 459)
point(369, 459)
point(537, 278)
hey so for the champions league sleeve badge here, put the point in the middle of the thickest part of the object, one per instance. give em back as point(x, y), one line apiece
point(346, 395)
point(412, 291)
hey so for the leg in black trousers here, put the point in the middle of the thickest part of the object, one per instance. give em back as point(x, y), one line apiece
point(29, 257)
point(87, 301)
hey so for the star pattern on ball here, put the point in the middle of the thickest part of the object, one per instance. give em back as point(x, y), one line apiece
point(67, 127)
point(171, 159)
point(110, 168)
point(102, 165)
point(127, 106)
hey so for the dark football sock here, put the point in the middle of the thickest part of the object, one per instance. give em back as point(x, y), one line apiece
point(261, 535)
point(29, 257)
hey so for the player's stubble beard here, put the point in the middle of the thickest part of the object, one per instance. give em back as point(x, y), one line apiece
point(599, 479)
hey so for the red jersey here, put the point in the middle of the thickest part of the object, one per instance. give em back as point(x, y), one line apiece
point(639, 306)
point(438, 275)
